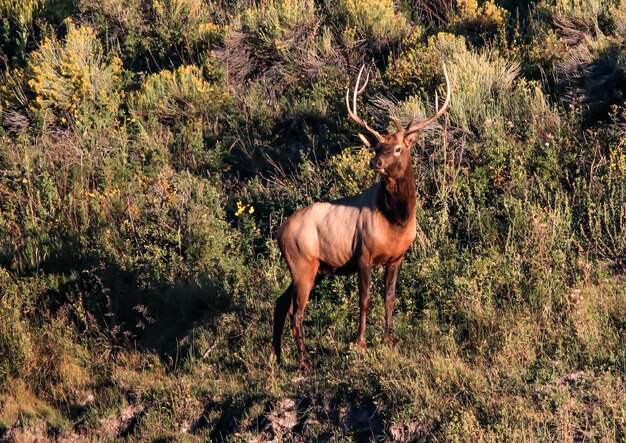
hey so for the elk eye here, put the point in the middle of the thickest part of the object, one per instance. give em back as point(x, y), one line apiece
point(398, 149)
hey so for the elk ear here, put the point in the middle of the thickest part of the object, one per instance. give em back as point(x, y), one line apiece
point(367, 142)
point(410, 139)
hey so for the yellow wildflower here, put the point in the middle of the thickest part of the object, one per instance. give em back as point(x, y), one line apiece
point(240, 208)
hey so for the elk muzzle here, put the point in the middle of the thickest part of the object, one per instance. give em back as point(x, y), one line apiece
point(376, 163)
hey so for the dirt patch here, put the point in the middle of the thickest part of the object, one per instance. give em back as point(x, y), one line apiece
point(410, 430)
point(298, 420)
point(122, 424)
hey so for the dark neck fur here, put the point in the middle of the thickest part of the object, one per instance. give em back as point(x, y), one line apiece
point(396, 198)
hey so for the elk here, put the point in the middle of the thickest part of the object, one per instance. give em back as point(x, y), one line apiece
point(357, 233)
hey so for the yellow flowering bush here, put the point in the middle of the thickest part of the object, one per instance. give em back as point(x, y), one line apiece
point(351, 172)
point(184, 112)
point(168, 95)
point(278, 18)
point(186, 19)
point(420, 64)
point(470, 17)
point(73, 78)
point(488, 12)
point(377, 19)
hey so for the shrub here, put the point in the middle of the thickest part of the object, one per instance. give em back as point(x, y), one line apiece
point(484, 85)
point(580, 45)
point(152, 35)
point(276, 43)
point(376, 21)
point(478, 22)
point(583, 9)
point(16, 21)
point(419, 65)
point(431, 12)
point(185, 28)
point(15, 339)
point(122, 23)
point(22, 23)
point(14, 100)
point(170, 95)
point(482, 82)
point(604, 225)
point(276, 19)
point(73, 81)
point(191, 108)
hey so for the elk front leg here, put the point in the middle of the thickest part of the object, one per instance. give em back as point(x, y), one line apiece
point(391, 275)
point(365, 280)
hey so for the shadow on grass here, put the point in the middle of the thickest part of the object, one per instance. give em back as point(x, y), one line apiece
point(100, 297)
point(224, 418)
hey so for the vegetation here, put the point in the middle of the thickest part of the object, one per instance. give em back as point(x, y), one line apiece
point(150, 150)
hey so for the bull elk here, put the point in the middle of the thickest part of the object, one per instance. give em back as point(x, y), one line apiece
point(354, 234)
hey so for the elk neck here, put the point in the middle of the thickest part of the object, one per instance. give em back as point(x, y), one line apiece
point(396, 198)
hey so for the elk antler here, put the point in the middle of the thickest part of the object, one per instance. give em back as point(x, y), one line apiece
point(413, 127)
point(396, 121)
point(352, 111)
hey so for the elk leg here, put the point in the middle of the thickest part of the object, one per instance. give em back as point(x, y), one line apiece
point(303, 287)
point(365, 280)
point(281, 310)
point(391, 276)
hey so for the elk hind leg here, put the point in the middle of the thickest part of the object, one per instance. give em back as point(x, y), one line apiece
point(283, 308)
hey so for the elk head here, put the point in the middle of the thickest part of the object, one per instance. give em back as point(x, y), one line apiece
point(393, 151)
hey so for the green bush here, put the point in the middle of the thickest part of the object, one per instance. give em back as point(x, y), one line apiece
point(180, 94)
point(185, 107)
point(150, 36)
point(15, 338)
point(17, 19)
point(164, 228)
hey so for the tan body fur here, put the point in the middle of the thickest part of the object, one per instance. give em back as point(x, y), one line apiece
point(332, 235)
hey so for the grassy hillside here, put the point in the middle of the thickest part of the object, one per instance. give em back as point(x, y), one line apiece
point(150, 149)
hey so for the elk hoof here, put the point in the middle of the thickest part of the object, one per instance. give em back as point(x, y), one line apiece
point(388, 339)
point(361, 343)
point(305, 364)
